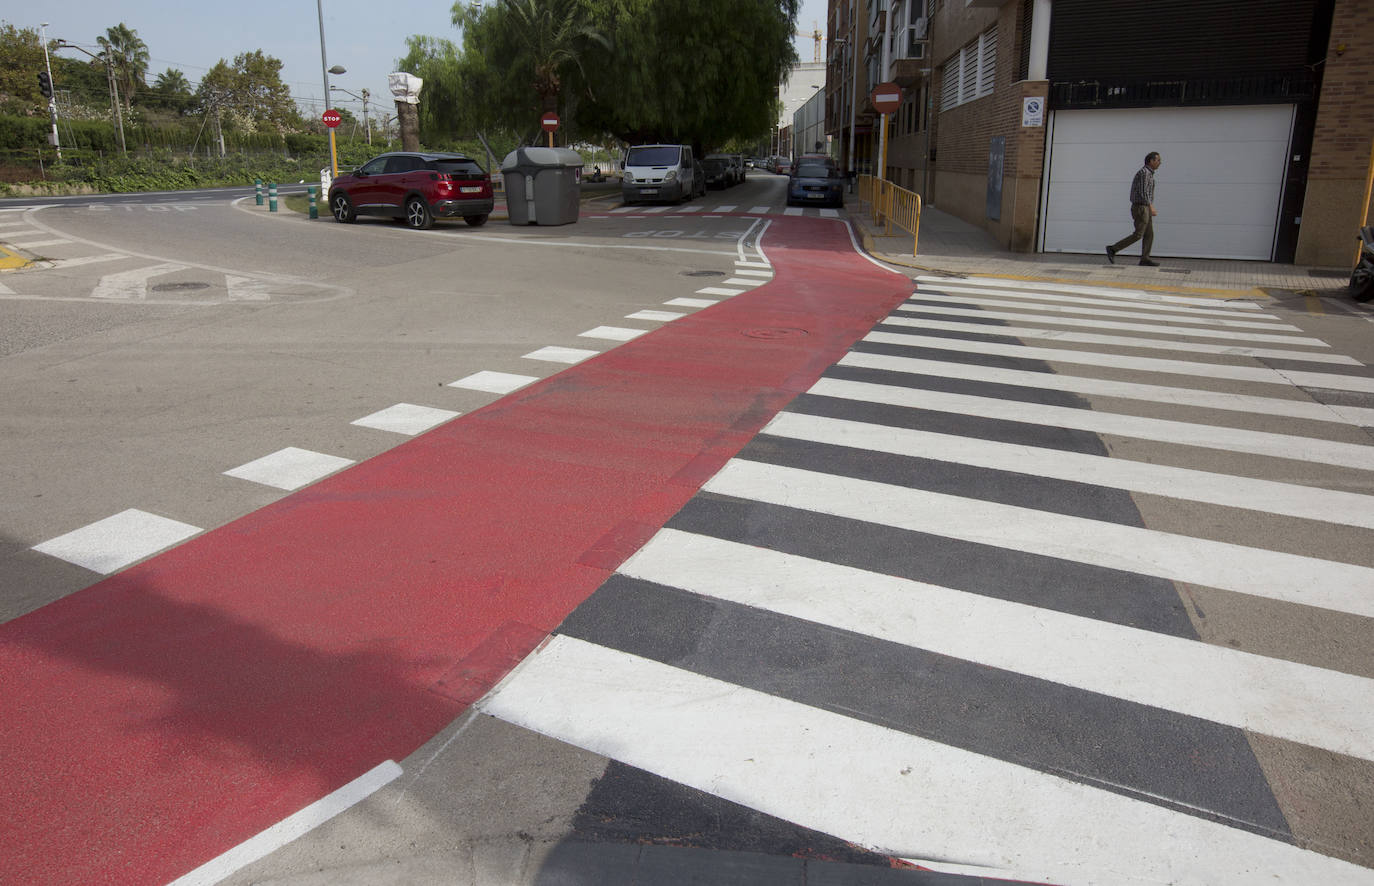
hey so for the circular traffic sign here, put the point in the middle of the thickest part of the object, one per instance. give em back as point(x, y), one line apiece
point(549, 122)
point(886, 98)
point(331, 118)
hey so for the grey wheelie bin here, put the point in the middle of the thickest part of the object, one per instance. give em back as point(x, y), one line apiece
point(543, 185)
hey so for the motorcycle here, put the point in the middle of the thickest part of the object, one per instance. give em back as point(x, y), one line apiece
point(1362, 278)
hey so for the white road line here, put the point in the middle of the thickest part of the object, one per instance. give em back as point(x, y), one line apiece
point(830, 213)
point(719, 290)
point(87, 260)
point(1106, 291)
point(289, 468)
point(696, 208)
point(35, 244)
point(875, 786)
point(650, 210)
point(613, 333)
point(1293, 578)
point(758, 268)
point(741, 281)
point(1181, 306)
point(623, 209)
point(247, 288)
point(1125, 341)
point(1174, 315)
point(725, 208)
point(292, 827)
point(692, 302)
point(555, 354)
point(117, 541)
point(1312, 449)
point(406, 418)
point(1028, 317)
point(793, 210)
point(760, 210)
point(1144, 364)
point(493, 382)
point(131, 285)
point(1306, 409)
point(1298, 702)
point(1266, 496)
point(661, 316)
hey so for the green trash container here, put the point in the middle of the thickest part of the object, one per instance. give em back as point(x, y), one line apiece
point(543, 185)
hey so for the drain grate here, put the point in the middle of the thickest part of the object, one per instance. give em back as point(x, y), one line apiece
point(773, 333)
point(179, 287)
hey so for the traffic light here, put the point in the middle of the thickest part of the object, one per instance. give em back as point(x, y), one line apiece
point(45, 84)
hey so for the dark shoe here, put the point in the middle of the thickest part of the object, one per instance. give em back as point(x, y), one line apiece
point(1149, 263)
point(1111, 255)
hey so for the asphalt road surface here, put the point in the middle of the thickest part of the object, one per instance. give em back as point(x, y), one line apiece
point(683, 544)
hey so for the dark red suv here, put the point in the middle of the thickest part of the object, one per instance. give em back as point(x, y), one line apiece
point(414, 187)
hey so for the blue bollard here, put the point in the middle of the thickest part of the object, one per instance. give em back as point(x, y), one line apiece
point(272, 197)
point(257, 182)
point(314, 206)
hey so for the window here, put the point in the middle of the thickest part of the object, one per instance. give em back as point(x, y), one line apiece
point(970, 72)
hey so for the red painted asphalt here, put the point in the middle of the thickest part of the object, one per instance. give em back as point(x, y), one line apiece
point(163, 715)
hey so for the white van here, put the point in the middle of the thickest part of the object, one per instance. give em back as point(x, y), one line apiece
point(660, 172)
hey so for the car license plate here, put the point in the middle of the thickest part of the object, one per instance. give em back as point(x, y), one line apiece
point(649, 192)
point(815, 196)
point(476, 190)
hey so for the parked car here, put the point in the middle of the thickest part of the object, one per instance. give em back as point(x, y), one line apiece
point(783, 166)
point(414, 187)
point(816, 181)
point(661, 172)
point(718, 174)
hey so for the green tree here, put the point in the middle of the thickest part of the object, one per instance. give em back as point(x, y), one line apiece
point(171, 90)
point(128, 55)
point(21, 58)
point(251, 89)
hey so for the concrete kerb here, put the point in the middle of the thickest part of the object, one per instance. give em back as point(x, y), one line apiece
point(951, 247)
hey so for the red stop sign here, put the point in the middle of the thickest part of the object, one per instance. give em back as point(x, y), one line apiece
point(886, 98)
point(331, 118)
point(549, 122)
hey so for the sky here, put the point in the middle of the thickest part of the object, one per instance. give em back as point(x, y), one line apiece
point(366, 38)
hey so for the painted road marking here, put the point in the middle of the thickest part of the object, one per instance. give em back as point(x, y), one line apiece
point(494, 382)
point(555, 354)
point(760, 210)
point(87, 260)
point(27, 244)
point(247, 288)
point(792, 210)
point(1174, 315)
point(663, 316)
point(131, 285)
point(1051, 381)
point(830, 213)
point(728, 207)
point(613, 333)
point(1307, 581)
point(406, 418)
point(740, 281)
point(289, 468)
point(113, 543)
point(1315, 706)
point(875, 786)
point(1331, 452)
point(718, 290)
point(1267, 496)
point(1158, 344)
point(297, 825)
point(1036, 286)
point(692, 302)
point(1139, 307)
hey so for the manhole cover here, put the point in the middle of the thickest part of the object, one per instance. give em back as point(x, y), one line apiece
point(179, 287)
point(772, 333)
point(703, 273)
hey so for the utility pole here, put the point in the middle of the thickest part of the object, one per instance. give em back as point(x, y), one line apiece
point(52, 90)
point(114, 88)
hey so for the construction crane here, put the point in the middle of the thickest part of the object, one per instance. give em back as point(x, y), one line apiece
point(817, 36)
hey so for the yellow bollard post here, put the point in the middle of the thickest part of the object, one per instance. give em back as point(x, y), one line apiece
point(916, 228)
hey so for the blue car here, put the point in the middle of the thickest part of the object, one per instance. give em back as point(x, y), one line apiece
point(815, 181)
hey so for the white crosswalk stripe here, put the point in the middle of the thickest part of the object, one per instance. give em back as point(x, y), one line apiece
point(924, 612)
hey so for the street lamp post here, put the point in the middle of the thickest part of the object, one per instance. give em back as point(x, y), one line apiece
point(325, 71)
point(52, 99)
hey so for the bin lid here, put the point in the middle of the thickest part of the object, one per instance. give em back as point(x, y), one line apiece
point(541, 158)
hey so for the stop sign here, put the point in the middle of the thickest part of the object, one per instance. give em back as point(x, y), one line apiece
point(886, 98)
point(331, 118)
point(549, 122)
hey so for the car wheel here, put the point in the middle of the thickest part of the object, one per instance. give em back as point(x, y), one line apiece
point(475, 220)
point(417, 214)
point(342, 208)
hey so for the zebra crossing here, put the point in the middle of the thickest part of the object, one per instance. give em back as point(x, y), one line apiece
point(955, 602)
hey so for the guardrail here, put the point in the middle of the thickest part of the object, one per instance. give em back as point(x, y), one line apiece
point(891, 205)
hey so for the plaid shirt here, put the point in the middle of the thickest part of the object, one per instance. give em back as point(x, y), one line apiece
point(1143, 187)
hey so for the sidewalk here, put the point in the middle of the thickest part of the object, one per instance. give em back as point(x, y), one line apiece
point(949, 245)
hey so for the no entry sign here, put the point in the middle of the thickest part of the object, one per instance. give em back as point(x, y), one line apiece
point(886, 97)
point(549, 121)
point(331, 118)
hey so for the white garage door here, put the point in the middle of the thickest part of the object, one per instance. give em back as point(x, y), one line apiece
point(1217, 193)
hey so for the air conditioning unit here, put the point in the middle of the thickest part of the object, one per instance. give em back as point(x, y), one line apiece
point(920, 27)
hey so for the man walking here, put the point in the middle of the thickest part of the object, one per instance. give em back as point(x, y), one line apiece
point(1142, 213)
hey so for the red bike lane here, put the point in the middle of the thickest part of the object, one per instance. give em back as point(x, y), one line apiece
point(166, 714)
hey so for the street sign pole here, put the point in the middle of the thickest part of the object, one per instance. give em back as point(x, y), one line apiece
point(332, 119)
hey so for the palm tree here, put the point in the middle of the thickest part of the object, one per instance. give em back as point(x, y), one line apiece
point(173, 89)
point(128, 55)
point(555, 32)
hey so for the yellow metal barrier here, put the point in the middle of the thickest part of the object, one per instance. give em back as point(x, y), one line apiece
point(892, 205)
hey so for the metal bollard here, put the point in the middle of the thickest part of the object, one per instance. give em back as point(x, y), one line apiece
point(257, 182)
point(272, 197)
point(314, 207)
